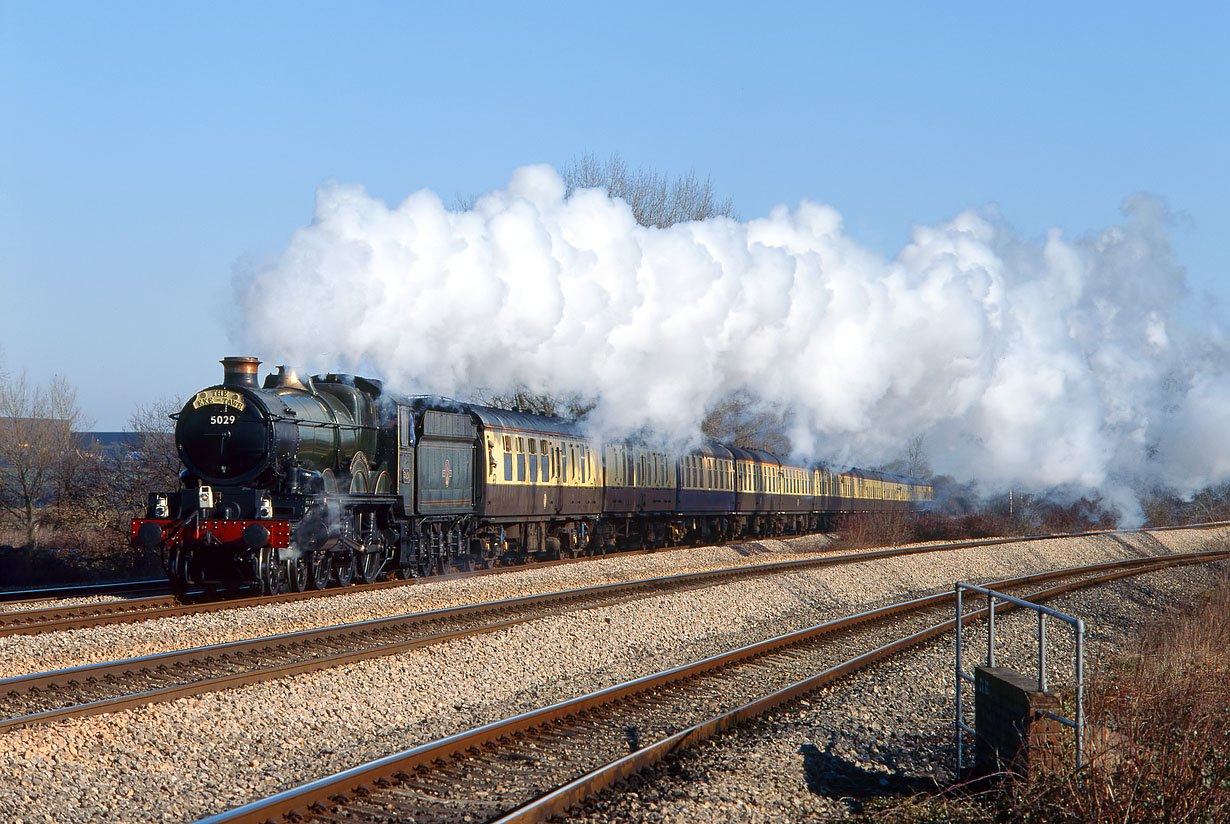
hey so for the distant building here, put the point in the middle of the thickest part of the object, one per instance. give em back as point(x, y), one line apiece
point(123, 444)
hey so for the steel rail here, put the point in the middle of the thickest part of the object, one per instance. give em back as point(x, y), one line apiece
point(11, 596)
point(366, 782)
point(132, 610)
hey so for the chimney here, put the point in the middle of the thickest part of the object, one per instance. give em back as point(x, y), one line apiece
point(239, 371)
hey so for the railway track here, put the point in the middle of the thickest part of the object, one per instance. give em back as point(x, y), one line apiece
point(131, 610)
point(117, 685)
point(540, 764)
point(122, 588)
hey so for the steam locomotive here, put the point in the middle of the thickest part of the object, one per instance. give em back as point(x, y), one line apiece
point(298, 483)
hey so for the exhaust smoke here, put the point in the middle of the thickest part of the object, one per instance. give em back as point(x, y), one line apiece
point(1024, 363)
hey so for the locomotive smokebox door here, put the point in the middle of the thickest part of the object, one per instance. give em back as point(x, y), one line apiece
point(446, 464)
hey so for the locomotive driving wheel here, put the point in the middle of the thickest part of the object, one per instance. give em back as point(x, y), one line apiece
point(299, 573)
point(344, 569)
point(270, 571)
point(371, 562)
point(369, 566)
point(321, 569)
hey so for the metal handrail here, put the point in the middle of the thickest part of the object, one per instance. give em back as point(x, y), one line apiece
point(1078, 626)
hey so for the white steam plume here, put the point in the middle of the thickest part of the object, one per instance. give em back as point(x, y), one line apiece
point(1028, 363)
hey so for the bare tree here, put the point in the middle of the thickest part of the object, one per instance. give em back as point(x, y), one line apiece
point(740, 421)
point(573, 406)
point(915, 458)
point(36, 444)
point(108, 484)
point(1211, 504)
point(153, 463)
point(655, 199)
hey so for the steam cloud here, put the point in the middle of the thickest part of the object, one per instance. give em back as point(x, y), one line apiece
point(1027, 363)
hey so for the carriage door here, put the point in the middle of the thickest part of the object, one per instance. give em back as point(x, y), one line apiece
point(405, 457)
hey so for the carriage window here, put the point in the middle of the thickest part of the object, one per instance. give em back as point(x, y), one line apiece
point(520, 445)
point(542, 445)
point(532, 446)
point(508, 443)
point(520, 467)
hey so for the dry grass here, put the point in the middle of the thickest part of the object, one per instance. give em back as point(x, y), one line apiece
point(1167, 707)
point(879, 529)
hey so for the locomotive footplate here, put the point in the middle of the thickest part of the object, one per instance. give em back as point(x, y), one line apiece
point(170, 532)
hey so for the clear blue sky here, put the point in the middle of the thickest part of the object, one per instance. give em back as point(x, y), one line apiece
point(147, 149)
